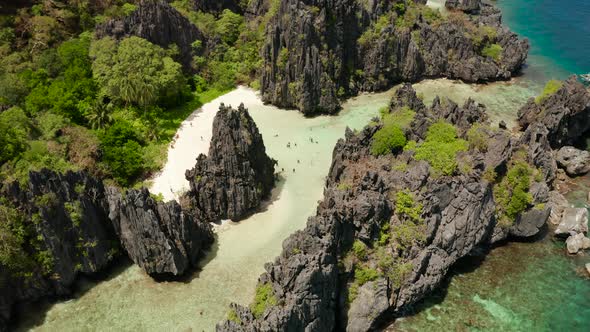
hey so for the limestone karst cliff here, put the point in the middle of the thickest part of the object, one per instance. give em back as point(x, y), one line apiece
point(391, 226)
point(64, 225)
point(317, 52)
point(236, 175)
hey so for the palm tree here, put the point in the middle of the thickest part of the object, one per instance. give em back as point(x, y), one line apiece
point(101, 114)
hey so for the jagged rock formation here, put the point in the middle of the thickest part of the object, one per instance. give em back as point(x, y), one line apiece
point(317, 52)
point(565, 114)
point(63, 225)
point(232, 180)
point(159, 23)
point(64, 231)
point(468, 6)
point(157, 236)
point(400, 245)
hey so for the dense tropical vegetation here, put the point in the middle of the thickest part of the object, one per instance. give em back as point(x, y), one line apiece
point(69, 100)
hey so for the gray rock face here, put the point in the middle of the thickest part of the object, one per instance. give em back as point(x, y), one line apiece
point(72, 225)
point(565, 114)
point(159, 23)
point(232, 180)
point(159, 237)
point(574, 161)
point(373, 301)
point(557, 203)
point(576, 243)
point(530, 223)
point(66, 232)
point(468, 6)
point(317, 52)
point(313, 278)
point(573, 221)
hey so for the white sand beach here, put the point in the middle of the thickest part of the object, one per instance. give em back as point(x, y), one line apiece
point(193, 138)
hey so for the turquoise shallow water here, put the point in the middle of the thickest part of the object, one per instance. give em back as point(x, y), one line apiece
point(559, 33)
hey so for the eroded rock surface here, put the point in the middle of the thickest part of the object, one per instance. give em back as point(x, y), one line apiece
point(576, 243)
point(410, 240)
point(574, 161)
point(64, 231)
point(237, 174)
point(573, 221)
point(565, 114)
point(157, 236)
point(317, 52)
point(62, 225)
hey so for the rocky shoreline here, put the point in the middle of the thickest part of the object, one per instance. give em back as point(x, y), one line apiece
point(361, 261)
point(71, 224)
point(317, 53)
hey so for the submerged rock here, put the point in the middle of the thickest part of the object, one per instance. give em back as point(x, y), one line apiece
point(577, 242)
point(237, 174)
point(574, 161)
point(159, 237)
point(573, 221)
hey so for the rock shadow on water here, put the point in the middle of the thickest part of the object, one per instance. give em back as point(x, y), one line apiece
point(210, 255)
point(33, 314)
point(274, 196)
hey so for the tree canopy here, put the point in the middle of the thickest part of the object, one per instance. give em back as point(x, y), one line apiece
point(135, 71)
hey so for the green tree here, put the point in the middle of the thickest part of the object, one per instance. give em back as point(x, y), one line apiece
point(100, 115)
point(135, 71)
point(122, 152)
point(14, 132)
point(387, 139)
point(440, 148)
point(229, 26)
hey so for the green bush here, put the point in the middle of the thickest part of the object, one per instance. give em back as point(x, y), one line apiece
point(232, 315)
point(411, 229)
point(263, 299)
point(511, 194)
point(122, 152)
point(387, 139)
point(402, 117)
point(362, 275)
point(14, 132)
point(359, 248)
point(440, 148)
point(407, 234)
point(406, 206)
point(477, 138)
point(550, 88)
point(394, 269)
point(74, 210)
point(493, 51)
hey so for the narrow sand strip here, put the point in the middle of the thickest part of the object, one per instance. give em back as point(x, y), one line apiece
point(193, 138)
